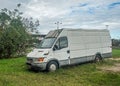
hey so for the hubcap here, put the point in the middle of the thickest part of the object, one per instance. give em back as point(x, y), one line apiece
point(52, 67)
point(97, 59)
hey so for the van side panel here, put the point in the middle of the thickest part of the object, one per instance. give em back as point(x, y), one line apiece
point(77, 46)
point(85, 44)
point(106, 44)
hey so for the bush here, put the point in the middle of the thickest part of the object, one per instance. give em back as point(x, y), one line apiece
point(13, 36)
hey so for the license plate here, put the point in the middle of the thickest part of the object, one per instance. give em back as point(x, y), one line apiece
point(30, 61)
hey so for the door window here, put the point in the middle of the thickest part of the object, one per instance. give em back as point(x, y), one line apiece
point(61, 43)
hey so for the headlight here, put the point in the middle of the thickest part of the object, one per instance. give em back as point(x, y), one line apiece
point(41, 59)
point(46, 53)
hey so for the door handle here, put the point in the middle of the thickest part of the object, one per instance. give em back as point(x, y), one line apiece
point(68, 51)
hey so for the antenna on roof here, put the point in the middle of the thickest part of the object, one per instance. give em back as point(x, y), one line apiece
point(58, 23)
point(107, 26)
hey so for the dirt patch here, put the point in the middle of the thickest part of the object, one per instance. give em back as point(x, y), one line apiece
point(115, 59)
point(115, 68)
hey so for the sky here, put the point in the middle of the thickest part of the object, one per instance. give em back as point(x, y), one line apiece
point(86, 14)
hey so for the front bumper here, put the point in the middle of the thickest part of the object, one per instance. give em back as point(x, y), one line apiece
point(37, 66)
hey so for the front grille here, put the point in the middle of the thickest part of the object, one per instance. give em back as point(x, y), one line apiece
point(29, 60)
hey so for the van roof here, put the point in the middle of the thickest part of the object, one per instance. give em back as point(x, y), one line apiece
point(81, 29)
point(54, 33)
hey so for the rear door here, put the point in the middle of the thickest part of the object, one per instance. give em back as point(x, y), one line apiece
point(61, 51)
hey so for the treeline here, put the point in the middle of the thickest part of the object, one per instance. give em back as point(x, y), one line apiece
point(14, 32)
point(116, 43)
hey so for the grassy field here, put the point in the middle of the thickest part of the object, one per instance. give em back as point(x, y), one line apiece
point(116, 53)
point(13, 72)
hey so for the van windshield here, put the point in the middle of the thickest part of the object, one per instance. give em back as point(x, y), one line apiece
point(46, 43)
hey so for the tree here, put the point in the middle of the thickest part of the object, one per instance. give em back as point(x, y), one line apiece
point(116, 42)
point(14, 36)
point(30, 25)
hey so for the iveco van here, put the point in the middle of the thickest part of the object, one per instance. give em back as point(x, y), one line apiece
point(70, 46)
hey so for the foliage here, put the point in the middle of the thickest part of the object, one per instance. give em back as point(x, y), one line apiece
point(14, 36)
point(30, 25)
point(116, 42)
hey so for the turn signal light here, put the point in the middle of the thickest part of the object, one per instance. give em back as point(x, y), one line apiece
point(41, 59)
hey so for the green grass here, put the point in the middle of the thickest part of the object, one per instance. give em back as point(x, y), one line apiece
point(13, 72)
point(116, 53)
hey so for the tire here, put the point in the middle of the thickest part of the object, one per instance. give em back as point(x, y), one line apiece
point(52, 66)
point(98, 58)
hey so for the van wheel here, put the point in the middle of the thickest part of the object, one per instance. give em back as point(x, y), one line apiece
point(52, 66)
point(98, 58)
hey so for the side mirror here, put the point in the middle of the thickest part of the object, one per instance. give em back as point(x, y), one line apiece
point(55, 47)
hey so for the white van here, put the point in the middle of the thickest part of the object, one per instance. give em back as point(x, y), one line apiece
point(70, 46)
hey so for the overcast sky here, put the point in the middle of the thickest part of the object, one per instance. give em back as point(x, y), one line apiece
point(88, 14)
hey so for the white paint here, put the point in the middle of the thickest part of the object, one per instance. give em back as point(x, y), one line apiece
point(81, 43)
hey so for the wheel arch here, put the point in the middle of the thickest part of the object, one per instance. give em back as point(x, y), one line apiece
point(53, 59)
point(98, 53)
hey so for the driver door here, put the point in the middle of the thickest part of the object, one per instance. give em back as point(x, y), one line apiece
point(61, 51)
